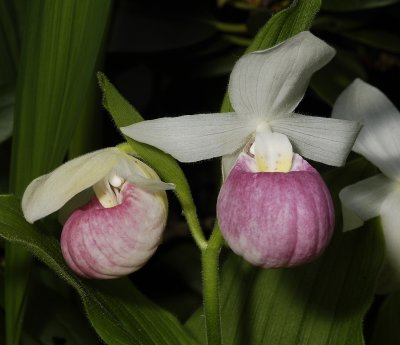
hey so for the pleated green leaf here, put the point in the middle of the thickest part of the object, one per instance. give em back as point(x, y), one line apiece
point(119, 313)
point(166, 167)
point(287, 23)
point(58, 53)
point(322, 303)
point(58, 57)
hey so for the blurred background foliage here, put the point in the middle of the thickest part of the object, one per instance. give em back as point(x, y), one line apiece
point(171, 58)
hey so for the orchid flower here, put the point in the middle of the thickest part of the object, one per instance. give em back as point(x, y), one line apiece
point(379, 142)
point(120, 228)
point(266, 211)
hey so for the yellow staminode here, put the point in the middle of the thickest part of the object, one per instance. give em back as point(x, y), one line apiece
point(273, 151)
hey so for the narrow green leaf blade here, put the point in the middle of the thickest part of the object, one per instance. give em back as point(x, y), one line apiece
point(59, 53)
point(119, 313)
point(287, 23)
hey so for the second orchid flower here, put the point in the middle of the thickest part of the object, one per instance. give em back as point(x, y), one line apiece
point(273, 209)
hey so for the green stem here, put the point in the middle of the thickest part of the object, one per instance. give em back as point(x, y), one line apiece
point(210, 265)
point(195, 228)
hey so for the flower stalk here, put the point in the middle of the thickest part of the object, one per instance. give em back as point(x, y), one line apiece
point(211, 303)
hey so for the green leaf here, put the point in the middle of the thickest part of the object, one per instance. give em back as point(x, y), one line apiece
point(375, 38)
point(333, 78)
point(287, 23)
point(166, 167)
point(57, 63)
point(119, 313)
point(387, 325)
point(59, 51)
point(355, 5)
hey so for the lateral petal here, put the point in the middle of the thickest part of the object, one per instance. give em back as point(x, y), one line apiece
point(365, 198)
point(272, 82)
point(149, 185)
point(324, 140)
point(193, 138)
point(379, 139)
point(50, 192)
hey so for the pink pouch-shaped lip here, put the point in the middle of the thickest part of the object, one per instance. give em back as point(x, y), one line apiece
point(107, 243)
point(275, 219)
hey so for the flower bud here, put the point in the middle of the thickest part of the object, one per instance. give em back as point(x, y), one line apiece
point(275, 219)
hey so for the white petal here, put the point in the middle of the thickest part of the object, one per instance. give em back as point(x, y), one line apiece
point(379, 139)
point(273, 82)
point(50, 192)
point(324, 140)
point(149, 184)
point(390, 216)
point(365, 198)
point(192, 138)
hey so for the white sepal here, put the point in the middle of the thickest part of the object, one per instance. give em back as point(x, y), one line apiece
point(365, 198)
point(379, 139)
point(272, 82)
point(193, 138)
point(50, 192)
point(321, 139)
